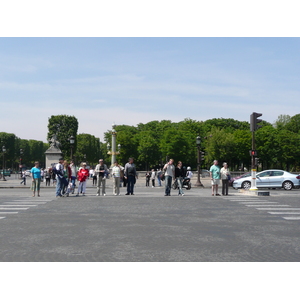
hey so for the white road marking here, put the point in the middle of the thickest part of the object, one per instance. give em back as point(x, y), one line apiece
point(14, 208)
point(283, 213)
point(265, 205)
point(17, 205)
point(8, 212)
point(249, 200)
point(2, 217)
point(277, 208)
point(26, 202)
point(32, 200)
point(291, 218)
point(258, 203)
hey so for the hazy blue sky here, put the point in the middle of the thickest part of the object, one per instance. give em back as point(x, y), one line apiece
point(133, 80)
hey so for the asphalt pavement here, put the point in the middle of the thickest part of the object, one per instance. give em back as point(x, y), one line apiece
point(147, 226)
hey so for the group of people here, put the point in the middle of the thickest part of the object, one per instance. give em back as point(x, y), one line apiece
point(66, 175)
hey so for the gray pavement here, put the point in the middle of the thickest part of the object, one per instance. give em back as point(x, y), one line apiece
point(148, 226)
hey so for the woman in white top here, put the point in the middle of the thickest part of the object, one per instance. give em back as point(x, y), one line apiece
point(116, 174)
point(225, 179)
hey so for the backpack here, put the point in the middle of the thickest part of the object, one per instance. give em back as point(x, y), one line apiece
point(55, 171)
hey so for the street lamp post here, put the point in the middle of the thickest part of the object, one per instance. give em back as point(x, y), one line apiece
point(112, 149)
point(72, 141)
point(3, 175)
point(198, 144)
point(20, 166)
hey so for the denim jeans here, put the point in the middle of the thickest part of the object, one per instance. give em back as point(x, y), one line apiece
point(179, 181)
point(130, 184)
point(59, 186)
point(168, 185)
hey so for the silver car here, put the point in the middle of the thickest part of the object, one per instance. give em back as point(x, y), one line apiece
point(270, 179)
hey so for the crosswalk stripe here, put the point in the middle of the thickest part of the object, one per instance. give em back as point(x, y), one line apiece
point(249, 200)
point(32, 200)
point(2, 217)
point(291, 218)
point(8, 212)
point(266, 205)
point(13, 208)
point(277, 208)
point(17, 205)
point(259, 203)
point(26, 202)
point(284, 213)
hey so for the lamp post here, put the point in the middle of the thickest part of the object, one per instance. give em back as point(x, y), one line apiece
point(113, 149)
point(72, 141)
point(3, 151)
point(198, 144)
point(20, 166)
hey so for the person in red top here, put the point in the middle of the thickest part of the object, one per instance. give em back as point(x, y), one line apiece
point(82, 176)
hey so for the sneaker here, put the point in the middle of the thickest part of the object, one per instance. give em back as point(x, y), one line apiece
point(104, 194)
point(97, 195)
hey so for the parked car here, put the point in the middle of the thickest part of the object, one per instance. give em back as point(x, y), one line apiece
point(270, 179)
point(6, 173)
point(238, 177)
point(205, 173)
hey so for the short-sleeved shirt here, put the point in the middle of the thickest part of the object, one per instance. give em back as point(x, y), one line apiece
point(36, 172)
point(215, 170)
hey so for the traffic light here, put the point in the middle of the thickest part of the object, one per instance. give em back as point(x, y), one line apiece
point(202, 155)
point(253, 153)
point(254, 121)
point(256, 161)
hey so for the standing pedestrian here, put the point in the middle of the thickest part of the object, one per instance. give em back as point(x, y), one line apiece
point(153, 177)
point(169, 169)
point(215, 177)
point(59, 171)
point(67, 178)
point(179, 175)
point(36, 179)
point(48, 176)
point(159, 173)
point(148, 175)
point(101, 172)
point(225, 179)
point(130, 176)
point(73, 176)
point(82, 176)
point(116, 174)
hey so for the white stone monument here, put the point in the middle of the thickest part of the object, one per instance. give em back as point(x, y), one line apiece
point(53, 154)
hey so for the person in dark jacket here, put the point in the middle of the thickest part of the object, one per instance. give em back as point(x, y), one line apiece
point(179, 175)
point(130, 175)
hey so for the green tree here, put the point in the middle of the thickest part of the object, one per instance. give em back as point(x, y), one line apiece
point(64, 127)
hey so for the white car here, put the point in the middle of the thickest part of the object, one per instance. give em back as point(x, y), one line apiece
point(270, 179)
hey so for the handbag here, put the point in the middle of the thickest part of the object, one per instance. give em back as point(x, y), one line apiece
point(162, 176)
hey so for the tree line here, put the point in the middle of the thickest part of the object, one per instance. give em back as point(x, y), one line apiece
point(151, 144)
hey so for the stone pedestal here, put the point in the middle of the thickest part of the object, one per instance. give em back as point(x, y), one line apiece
point(52, 156)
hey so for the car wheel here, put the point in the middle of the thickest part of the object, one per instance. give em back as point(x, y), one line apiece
point(246, 185)
point(287, 185)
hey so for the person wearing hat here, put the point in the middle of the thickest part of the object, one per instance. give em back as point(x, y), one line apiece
point(59, 170)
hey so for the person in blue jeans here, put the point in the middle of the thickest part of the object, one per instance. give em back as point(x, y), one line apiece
point(169, 169)
point(130, 176)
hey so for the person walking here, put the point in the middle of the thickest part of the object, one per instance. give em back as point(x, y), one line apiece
point(169, 169)
point(59, 171)
point(23, 178)
point(82, 176)
point(116, 174)
point(225, 176)
point(130, 176)
point(179, 175)
point(153, 177)
point(215, 177)
point(101, 173)
point(36, 179)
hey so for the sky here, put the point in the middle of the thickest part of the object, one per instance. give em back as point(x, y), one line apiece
point(102, 80)
point(135, 80)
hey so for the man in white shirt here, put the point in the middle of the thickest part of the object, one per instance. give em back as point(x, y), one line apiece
point(169, 169)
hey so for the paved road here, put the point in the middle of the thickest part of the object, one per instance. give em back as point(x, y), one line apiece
point(149, 226)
